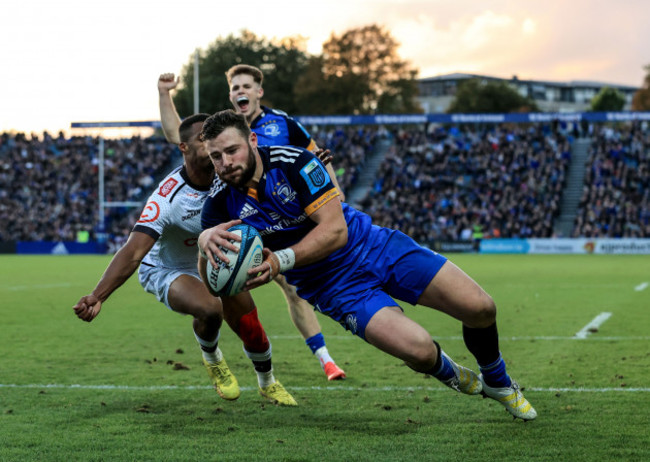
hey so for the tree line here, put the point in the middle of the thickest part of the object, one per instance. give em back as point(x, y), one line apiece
point(357, 72)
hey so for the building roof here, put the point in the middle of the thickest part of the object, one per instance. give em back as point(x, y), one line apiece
point(570, 83)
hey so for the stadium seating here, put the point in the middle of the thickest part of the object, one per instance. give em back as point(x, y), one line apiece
point(50, 189)
point(461, 185)
point(453, 183)
point(615, 200)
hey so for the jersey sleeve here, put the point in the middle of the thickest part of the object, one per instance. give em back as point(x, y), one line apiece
point(153, 217)
point(298, 135)
point(312, 183)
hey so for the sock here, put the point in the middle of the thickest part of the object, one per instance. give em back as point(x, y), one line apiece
point(263, 366)
point(442, 370)
point(323, 356)
point(483, 343)
point(316, 344)
point(210, 349)
point(495, 375)
point(252, 333)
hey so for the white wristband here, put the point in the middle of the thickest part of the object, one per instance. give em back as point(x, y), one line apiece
point(287, 259)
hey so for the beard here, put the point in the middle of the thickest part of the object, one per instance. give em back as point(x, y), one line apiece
point(247, 171)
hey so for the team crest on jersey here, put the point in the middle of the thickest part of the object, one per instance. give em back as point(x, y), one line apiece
point(167, 187)
point(150, 212)
point(284, 192)
point(272, 129)
point(315, 176)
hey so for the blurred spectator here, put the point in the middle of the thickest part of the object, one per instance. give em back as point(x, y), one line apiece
point(615, 199)
point(50, 186)
point(350, 148)
point(452, 184)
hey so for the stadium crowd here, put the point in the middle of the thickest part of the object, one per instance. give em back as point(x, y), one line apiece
point(458, 183)
point(461, 185)
point(50, 184)
point(616, 194)
point(350, 148)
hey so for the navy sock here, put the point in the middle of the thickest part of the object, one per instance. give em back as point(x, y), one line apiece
point(442, 370)
point(315, 342)
point(495, 374)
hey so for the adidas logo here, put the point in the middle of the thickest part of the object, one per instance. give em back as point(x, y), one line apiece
point(246, 211)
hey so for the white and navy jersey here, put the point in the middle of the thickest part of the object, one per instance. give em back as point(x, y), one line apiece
point(172, 216)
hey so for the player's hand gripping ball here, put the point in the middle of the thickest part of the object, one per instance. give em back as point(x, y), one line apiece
point(230, 279)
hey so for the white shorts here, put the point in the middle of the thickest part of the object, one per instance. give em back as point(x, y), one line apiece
point(157, 280)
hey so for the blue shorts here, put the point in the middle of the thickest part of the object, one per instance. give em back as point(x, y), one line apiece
point(395, 266)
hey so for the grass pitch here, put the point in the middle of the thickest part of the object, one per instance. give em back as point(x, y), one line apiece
point(130, 385)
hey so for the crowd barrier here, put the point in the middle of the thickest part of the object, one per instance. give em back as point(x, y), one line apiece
point(486, 246)
point(396, 119)
point(567, 246)
point(60, 248)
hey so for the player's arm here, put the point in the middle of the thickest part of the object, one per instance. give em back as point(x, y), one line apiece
point(329, 235)
point(169, 117)
point(121, 267)
point(332, 174)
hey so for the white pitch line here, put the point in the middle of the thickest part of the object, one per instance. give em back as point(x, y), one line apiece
point(312, 388)
point(641, 286)
point(503, 339)
point(593, 325)
point(53, 285)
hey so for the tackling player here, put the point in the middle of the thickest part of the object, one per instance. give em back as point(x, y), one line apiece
point(163, 245)
point(311, 237)
point(272, 127)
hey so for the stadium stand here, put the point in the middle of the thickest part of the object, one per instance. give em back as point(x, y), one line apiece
point(50, 188)
point(454, 183)
point(350, 148)
point(615, 200)
point(462, 185)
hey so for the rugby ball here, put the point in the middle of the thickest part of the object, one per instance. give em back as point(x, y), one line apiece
point(229, 279)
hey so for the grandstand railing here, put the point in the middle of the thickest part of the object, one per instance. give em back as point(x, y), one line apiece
point(393, 119)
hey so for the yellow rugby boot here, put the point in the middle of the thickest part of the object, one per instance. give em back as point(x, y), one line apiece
point(512, 399)
point(223, 380)
point(278, 395)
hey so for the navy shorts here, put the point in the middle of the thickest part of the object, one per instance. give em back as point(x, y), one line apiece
point(396, 267)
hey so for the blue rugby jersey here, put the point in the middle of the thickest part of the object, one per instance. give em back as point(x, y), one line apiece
point(276, 128)
point(294, 185)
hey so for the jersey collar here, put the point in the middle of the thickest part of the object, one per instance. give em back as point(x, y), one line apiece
point(186, 177)
point(260, 116)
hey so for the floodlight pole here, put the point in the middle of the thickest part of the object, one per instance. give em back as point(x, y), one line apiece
point(196, 81)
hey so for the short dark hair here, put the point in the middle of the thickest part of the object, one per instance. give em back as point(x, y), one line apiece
point(185, 129)
point(219, 121)
point(253, 71)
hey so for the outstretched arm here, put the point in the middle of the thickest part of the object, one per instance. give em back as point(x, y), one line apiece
point(121, 267)
point(169, 117)
point(329, 235)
